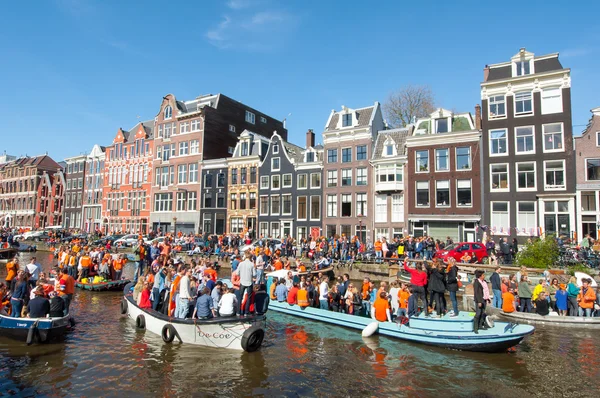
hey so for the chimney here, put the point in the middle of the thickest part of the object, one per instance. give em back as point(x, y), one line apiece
point(478, 117)
point(486, 73)
point(310, 138)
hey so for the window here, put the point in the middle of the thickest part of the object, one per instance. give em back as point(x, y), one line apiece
point(523, 103)
point(332, 178)
point(243, 175)
point(310, 156)
point(275, 230)
point(163, 202)
point(264, 205)
point(244, 150)
point(592, 169)
point(192, 196)
point(380, 208)
point(302, 214)
point(441, 160)
point(361, 176)
point(264, 229)
point(346, 177)
point(522, 68)
point(275, 205)
point(208, 181)
point(315, 180)
point(181, 205)
point(553, 137)
point(526, 219)
point(234, 176)
point(332, 155)
point(243, 196)
point(275, 149)
point(442, 193)
point(588, 201)
point(347, 120)
point(275, 182)
point(361, 152)
point(195, 125)
point(237, 225)
point(230, 150)
point(183, 148)
point(167, 130)
point(250, 117)
point(233, 199)
point(232, 128)
point(287, 205)
point(422, 193)
point(302, 182)
point(207, 200)
point(184, 127)
point(346, 155)
point(441, 125)
point(346, 205)
point(287, 180)
point(263, 119)
point(253, 175)
point(194, 147)
point(361, 204)
point(221, 180)
point(389, 150)
point(551, 100)
point(526, 176)
point(182, 174)
point(524, 140)
point(555, 174)
point(275, 166)
point(397, 208)
point(264, 182)
point(422, 161)
point(463, 193)
point(463, 158)
point(499, 173)
point(168, 112)
point(500, 218)
point(498, 142)
point(315, 207)
point(252, 200)
point(331, 205)
point(497, 106)
point(193, 173)
point(389, 173)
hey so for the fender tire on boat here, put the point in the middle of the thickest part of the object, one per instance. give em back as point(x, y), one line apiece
point(252, 338)
point(123, 306)
point(140, 322)
point(32, 334)
point(168, 333)
point(489, 322)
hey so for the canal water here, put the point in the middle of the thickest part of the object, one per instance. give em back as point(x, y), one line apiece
point(106, 356)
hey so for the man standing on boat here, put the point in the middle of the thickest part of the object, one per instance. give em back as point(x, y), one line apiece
point(480, 288)
point(497, 287)
point(33, 269)
point(246, 271)
point(183, 301)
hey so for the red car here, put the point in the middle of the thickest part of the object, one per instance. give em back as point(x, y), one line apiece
point(475, 250)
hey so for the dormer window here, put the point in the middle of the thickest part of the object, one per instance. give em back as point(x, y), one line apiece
point(244, 148)
point(347, 120)
point(522, 68)
point(276, 149)
point(389, 150)
point(250, 117)
point(310, 156)
point(441, 125)
point(168, 113)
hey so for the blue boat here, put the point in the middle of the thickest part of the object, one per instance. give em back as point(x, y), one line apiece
point(35, 330)
point(447, 332)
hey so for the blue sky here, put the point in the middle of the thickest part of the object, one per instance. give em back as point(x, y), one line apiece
point(74, 71)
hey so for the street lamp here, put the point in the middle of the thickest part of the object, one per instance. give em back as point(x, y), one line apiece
point(361, 237)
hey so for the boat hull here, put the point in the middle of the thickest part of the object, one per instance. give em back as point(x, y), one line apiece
point(550, 320)
point(226, 332)
point(112, 286)
point(451, 333)
point(49, 329)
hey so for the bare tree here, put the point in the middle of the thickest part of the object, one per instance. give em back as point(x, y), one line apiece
point(409, 102)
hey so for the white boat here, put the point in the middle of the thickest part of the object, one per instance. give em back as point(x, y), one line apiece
point(561, 321)
point(236, 333)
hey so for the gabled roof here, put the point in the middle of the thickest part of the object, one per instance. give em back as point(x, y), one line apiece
point(542, 64)
point(43, 162)
point(398, 136)
point(363, 117)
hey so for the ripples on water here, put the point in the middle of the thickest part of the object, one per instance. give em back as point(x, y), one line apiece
point(105, 355)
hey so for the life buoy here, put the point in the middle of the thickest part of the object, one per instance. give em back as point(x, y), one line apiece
point(489, 322)
point(252, 338)
point(32, 333)
point(140, 322)
point(168, 333)
point(123, 306)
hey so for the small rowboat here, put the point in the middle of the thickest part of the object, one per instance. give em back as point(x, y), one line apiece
point(35, 330)
point(551, 320)
point(236, 333)
point(110, 286)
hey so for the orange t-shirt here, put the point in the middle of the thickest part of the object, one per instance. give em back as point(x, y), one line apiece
point(381, 306)
point(212, 273)
point(508, 302)
point(150, 278)
point(118, 264)
point(85, 261)
point(278, 265)
point(11, 270)
point(69, 284)
point(302, 268)
point(403, 297)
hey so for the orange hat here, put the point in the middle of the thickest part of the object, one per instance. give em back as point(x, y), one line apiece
point(562, 286)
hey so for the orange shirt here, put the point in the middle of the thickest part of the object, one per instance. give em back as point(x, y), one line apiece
point(85, 261)
point(106, 258)
point(587, 299)
point(378, 245)
point(403, 298)
point(11, 270)
point(278, 265)
point(212, 273)
point(150, 278)
point(272, 291)
point(508, 302)
point(302, 268)
point(69, 284)
point(303, 298)
point(118, 264)
point(365, 291)
point(381, 307)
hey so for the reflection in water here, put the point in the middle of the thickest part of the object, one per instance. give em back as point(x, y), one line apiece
point(105, 354)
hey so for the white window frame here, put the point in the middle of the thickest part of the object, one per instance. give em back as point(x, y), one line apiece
point(490, 140)
point(597, 138)
point(547, 95)
point(496, 103)
point(274, 179)
point(497, 232)
point(184, 148)
point(273, 164)
point(417, 193)
point(456, 158)
point(439, 205)
point(555, 188)
point(232, 128)
point(306, 207)
point(265, 199)
point(283, 180)
point(334, 208)
point(264, 182)
point(332, 172)
point(534, 188)
point(417, 161)
point(507, 189)
point(283, 207)
point(263, 119)
point(195, 125)
point(271, 205)
point(522, 114)
point(398, 203)
point(447, 160)
point(458, 181)
point(168, 112)
point(298, 185)
point(250, 117)
point(562, 137)
point(311, 181)
point(194, 147)
point(586, 168)
point(532, 151)
point(363, 175)
point(534, 226)
point(381, 208)
point(275, 149)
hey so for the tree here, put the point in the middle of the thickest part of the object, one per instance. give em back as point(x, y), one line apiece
point(541, 253)
point(408, 103)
